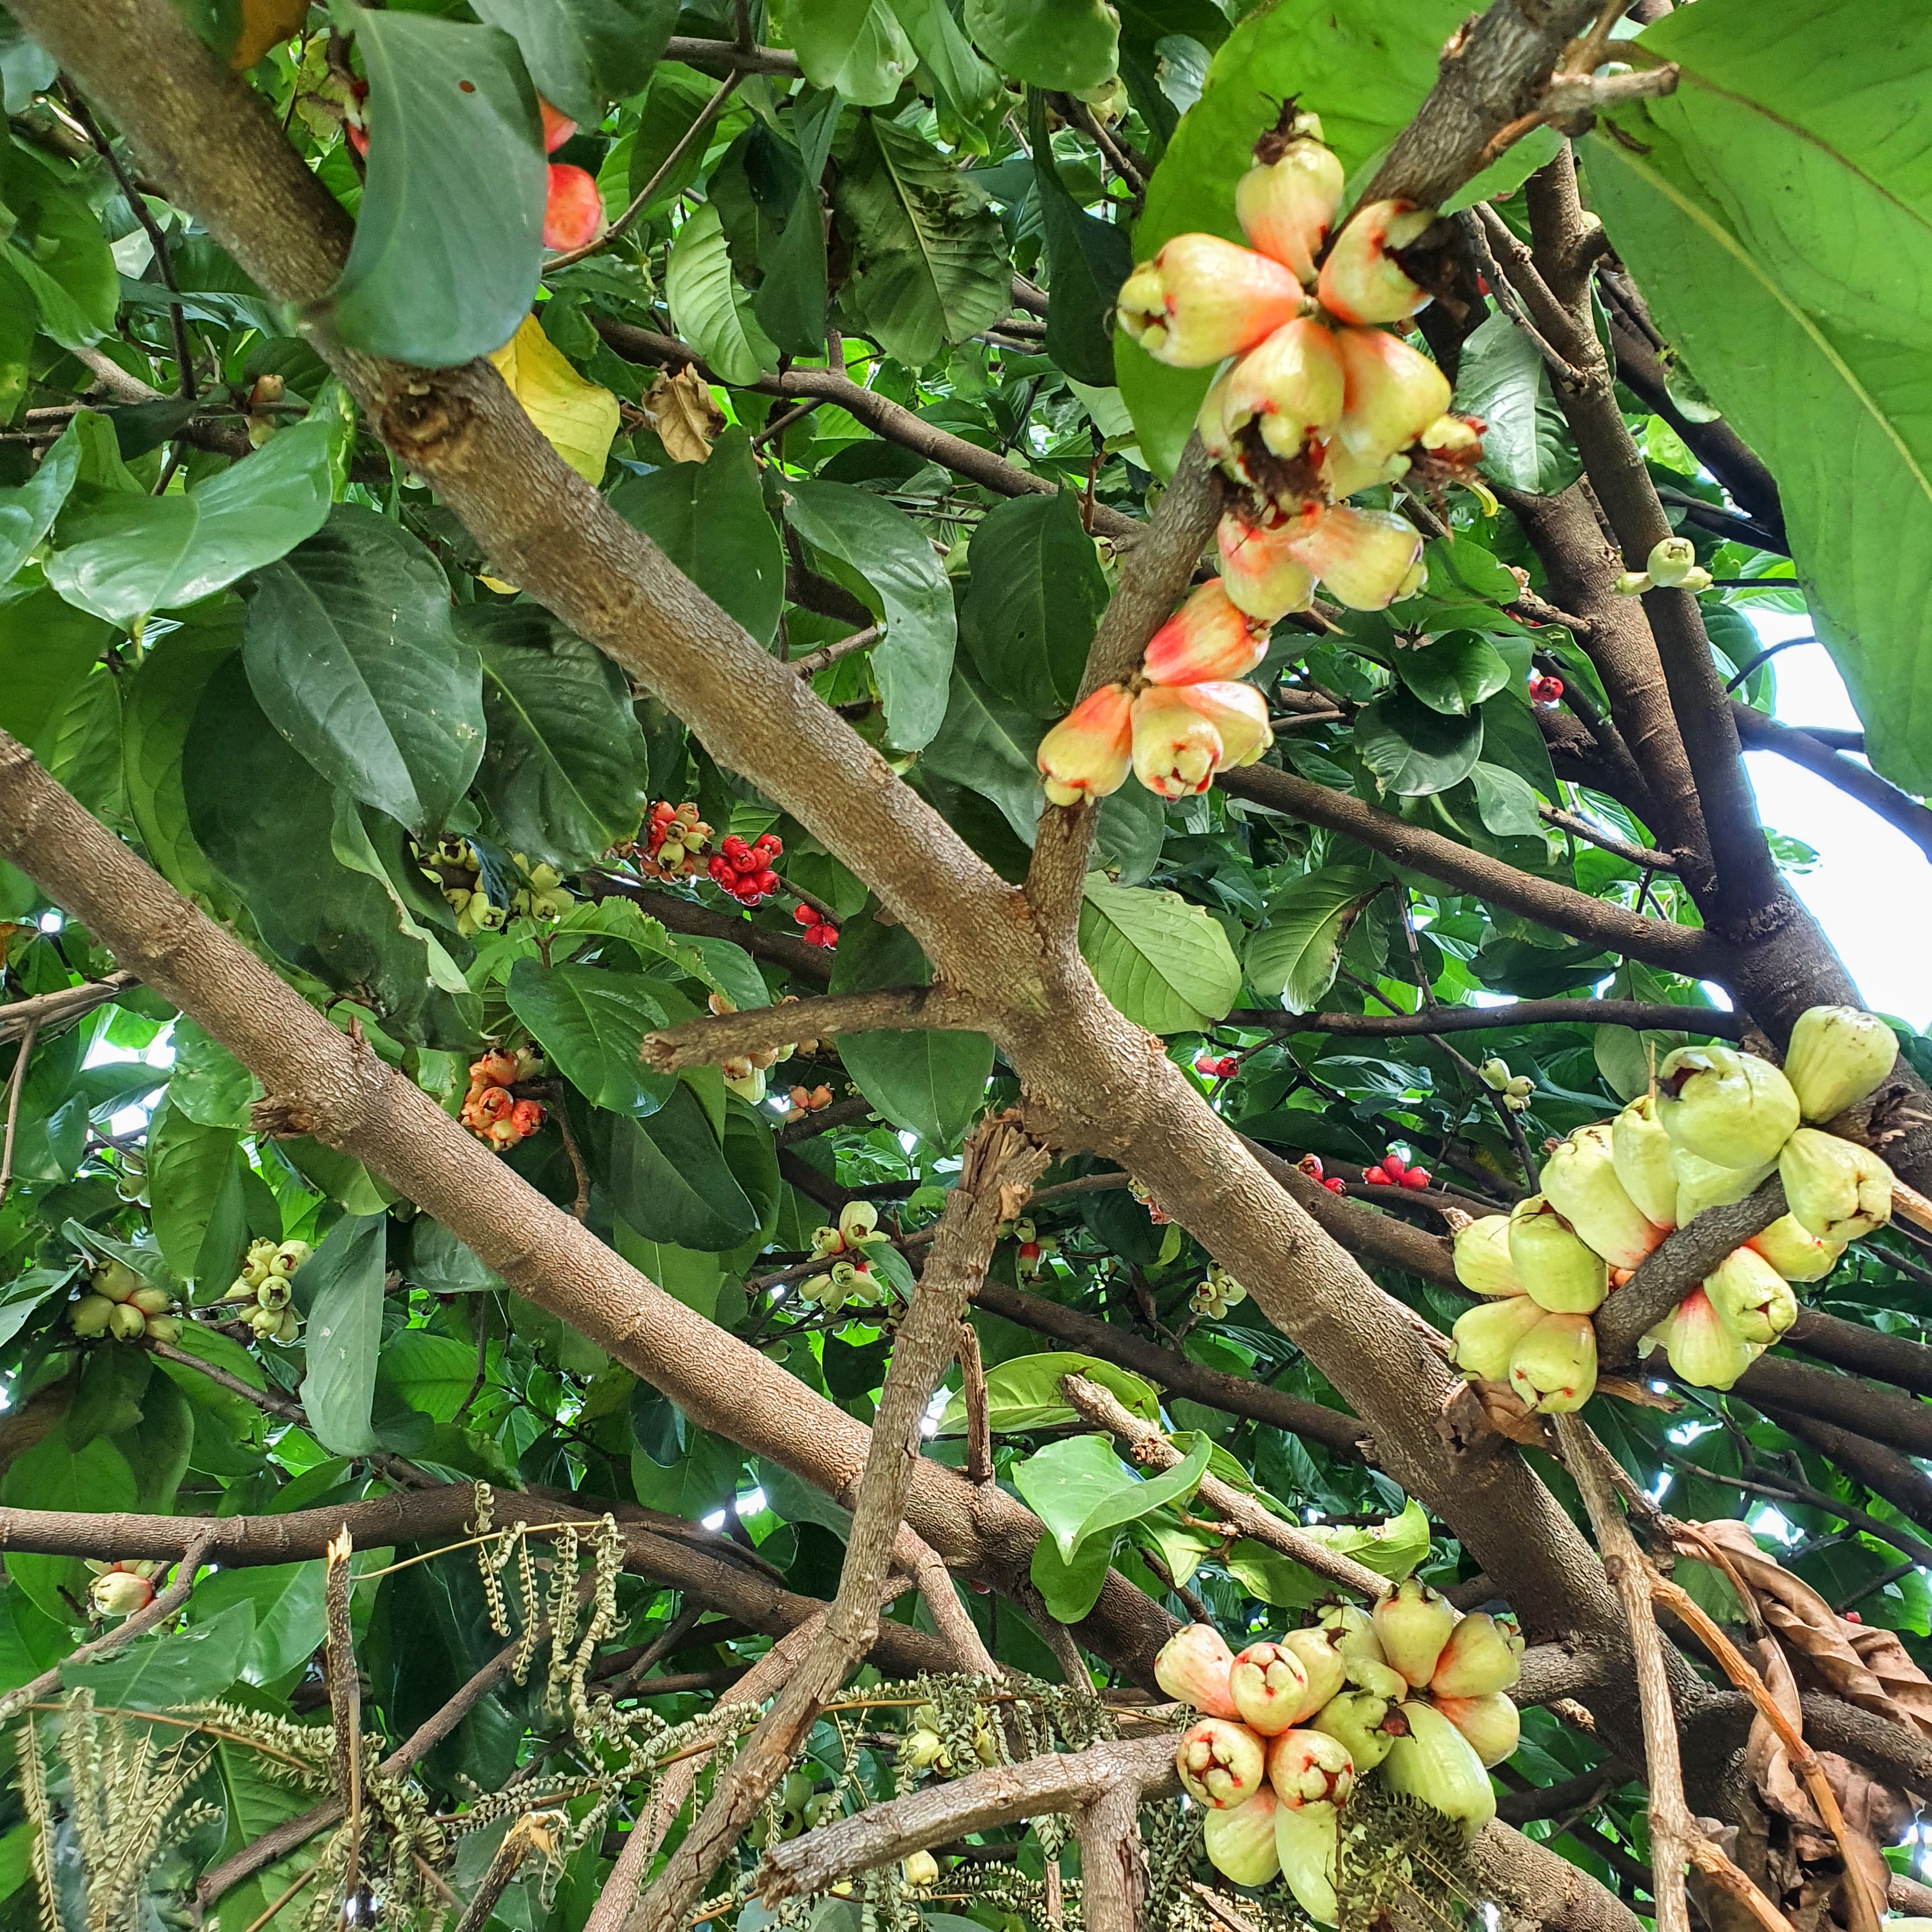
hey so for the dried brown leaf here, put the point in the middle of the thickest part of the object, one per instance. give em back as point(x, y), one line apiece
point(681, 409)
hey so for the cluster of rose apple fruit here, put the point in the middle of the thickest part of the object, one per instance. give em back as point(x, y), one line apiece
point(1315, 402)
point(1717, 1123)
point(1413, 1691)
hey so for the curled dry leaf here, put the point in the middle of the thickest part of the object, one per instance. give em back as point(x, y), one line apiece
point(681, 411)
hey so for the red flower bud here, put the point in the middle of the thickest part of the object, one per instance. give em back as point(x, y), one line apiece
point(1287, 201)
point(1336, 1184)
point(574, 211)
point(804, 915)
point(1085, 755)
point(1209, 637)
point(526, 1117)
point(826, 936)
point(1392, 394)
point(1393, 1165)
point(1202, 299)
point(1367, 558)
point(1291, 387)
point(1257, 572)
point(1417, 1178)
point(1177, 750)
point(1545, 690)
point(1361, 281)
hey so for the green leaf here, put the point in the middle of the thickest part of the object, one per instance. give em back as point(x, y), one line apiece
point(1391, 1548)
point(449, 231)
point(987, 743)
point(1453, 673)
point(1503, 379)
point(196, 1186)
point(1363, 68)
point(1087, 258)
point(709, 309)
point(1067, 44)
point(588, 1021)
point(54, 1475)
point(1165, 964)
point(27, 513)
point(121, 556)
point(1023, 1393)
point(286, 1599)
point(676, 98)
point(433, 1373)
point(964, 82)
point(583, 53)
point(1294, 956)
point(56, 248)
point(694, 1279)
point(47, 649)
point(790, 304)
point(913, 662)
point(710, 518)
point(1068, 1590)
point(857, 46)
point(566, 766)
point(207, 1084)
point(929, 260)
point(670, 1179)
point(343, 1281)
point(1415, 751)
point(1081, 1490)
point(1506, 802)
point(162, 1673)
point(351, 653)
point(1035, 595)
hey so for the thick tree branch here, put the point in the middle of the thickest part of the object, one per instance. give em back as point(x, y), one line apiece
point(705, 1042)
point(1543, 1887)
point(1113, 1866)
point(1864, 1352)
point(1708, 1022)
point(1884, 799)
point(712, 54)
point(1879, 1414)
point(1678, 949)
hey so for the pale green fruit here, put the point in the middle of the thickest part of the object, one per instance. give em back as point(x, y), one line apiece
point(1435, 1762)
point(1309, 1767)
point(1699, 1347)
point(162, 1328)
point(1482, 1257)
point(150, 1300)
point(1239, 1843)
point(1306, 1843)
point(1752, 1300)
point(1481, 1657)
point(1725, 1106)
point(1837, 1190)
point(1413, 1623)
point(1640, 1147)
point(1555, 1265)
point(1492, 1724)
point(1838, 1055)
point(288, 1327)
point(1796, 1253)
point(127, 1322)
point(1702, 1184)
point(116, 1280)
point(920, 1869)
point(1580, 1180)
point(1355, 1718)
point(1554, 1370)
point(1193, 1666)
point(1363, 1664)
point(91, 1315)
point(1321, 1660)
point(1221, 1765)
point(1270, 1688)
point(1484, 1337)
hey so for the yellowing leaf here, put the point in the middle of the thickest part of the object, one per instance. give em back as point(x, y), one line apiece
point(265, 24)
point(578, 418)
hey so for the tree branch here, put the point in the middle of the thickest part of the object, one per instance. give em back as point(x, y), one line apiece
point(1897, 807)
point(1865, 1351)
point(682, 915)
point(1543, 1888)
point(699, 53)
point(1709, 1022)
point(704, 1042)
point(43, 1011)
point(1879, 1415)
point(1113, 1866)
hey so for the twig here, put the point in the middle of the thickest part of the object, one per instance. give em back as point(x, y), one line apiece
point(1640, 1015)
point(1475, 225)
point(1646, 856)
point(949, 1616)
point(972, 1392)
point(262, 1918)
point(779, 424)
point(45, 1010)
point(345, 1706)
point(815, 661)
point(15, 1086)
point(722, 1037)
point(580, 1208)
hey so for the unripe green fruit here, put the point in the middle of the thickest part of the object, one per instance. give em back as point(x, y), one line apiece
point(1554, 1370)
point(1699, 1347)
point(265, 1321)
point(1306, 1843)
point(1836, 1190)
point(162, 1328)
point(1640, 1149)
point(1556, 1266)
point(288, 1327)
point(151, 1301)
point(1724, 1106)
point(1239, 1843)
point(1485, 1337)
point(1434, 1762)
point(127, 1322)
point(920, 1748)
point(274, 1293)
point(920, 1870)
point(1580, 1180)
point(1481, 1656)
point(1413, 1624)
point(796, 1790)
point(1838, 1056)
point(117, 1281)
point(1752, 1300)
point(1492, 1725)
point(1701, 1183)
point(1482, 1257)
point(91, 1315)
point(1796, 1253)
point(1321, 1661)
point(1356, 1718)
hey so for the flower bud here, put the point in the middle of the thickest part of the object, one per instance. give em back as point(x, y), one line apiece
point(1270, 1688)
point(120, 1593)
point(1368, 559)
point(91, 1315)
point(1390, 393)
point(1580, 1180)
point(1434, 1762)
point(1084, 756)
point(1193, 1666)
point(1838, 1055)
point(1239, 1843)
point(1260, 575)
point(1290, 387)
point(1631, 583)
point(1796, 1253)
point(1491, 1725)
point(1221, 1764)
point(264, 1321)
point(1752, 1300)
point(1671, 560)
point(1208, 637)
point(1306, 1843)
point(1554, 1370)
point(1361, 281)
point(1837, 1190)
point(1702, 1184)
point(1482, 1655)
point(1238, 713)
point(1484, 1338)
point(1310, 1768)
point(1202, 299)
point(1321, 1662)
point(1176, 750)
point(1482, 1257)
point(1413, 1624)
point(1556, 1266)
point(1358, 1719)
point(1699, 1347)
point(288, 1328)
point(1640, 1148)
point(1286, 201)
point(1725, 1106)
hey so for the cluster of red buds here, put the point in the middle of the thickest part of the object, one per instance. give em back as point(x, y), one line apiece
point(1393, 1171)
point(491, 1111)
point(675, 838)
point(819, 931)
point(1543, 690)
point(807, 1100)
point(1223, 1068)
point(1310, 1164)
point(745, 871)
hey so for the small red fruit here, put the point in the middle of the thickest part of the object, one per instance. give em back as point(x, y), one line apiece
point(1377, 1176)
point(557, 127)
point(1310, 1164)
point(1336, 1184)
point(1545, 690)
point(1393, 1165)
point(574, 213)
point(1416, 1177)
point(804, 915)
point(1029, 1251)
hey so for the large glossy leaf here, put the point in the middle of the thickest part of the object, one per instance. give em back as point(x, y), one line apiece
point(588, 1021)
point(1364, 68)
point(1165, 963)
point(1024, 1393)
point(161, 1673)
point(122, 556)
point(1294, 954)
point(913, 662)
point(350, 652)
point(286, 1601)
point(56, 249)
point(1413, 749)
point(449, 233)
point(1057, 43)
point(1080, 1489)
point(1502, 378)
point(710, 518)
point(1035, 595)
point(1453, 674)
point(584, 53)
point(929, 263)
point(964, 82)
point(53, 1474)
point(857, 46)
point(670, 1179)
point(199, 1217)
point(46, 649)
point(566, 766)
point(341, 1284)
point(27, 513)
point(710, 311)
point(790, 301)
